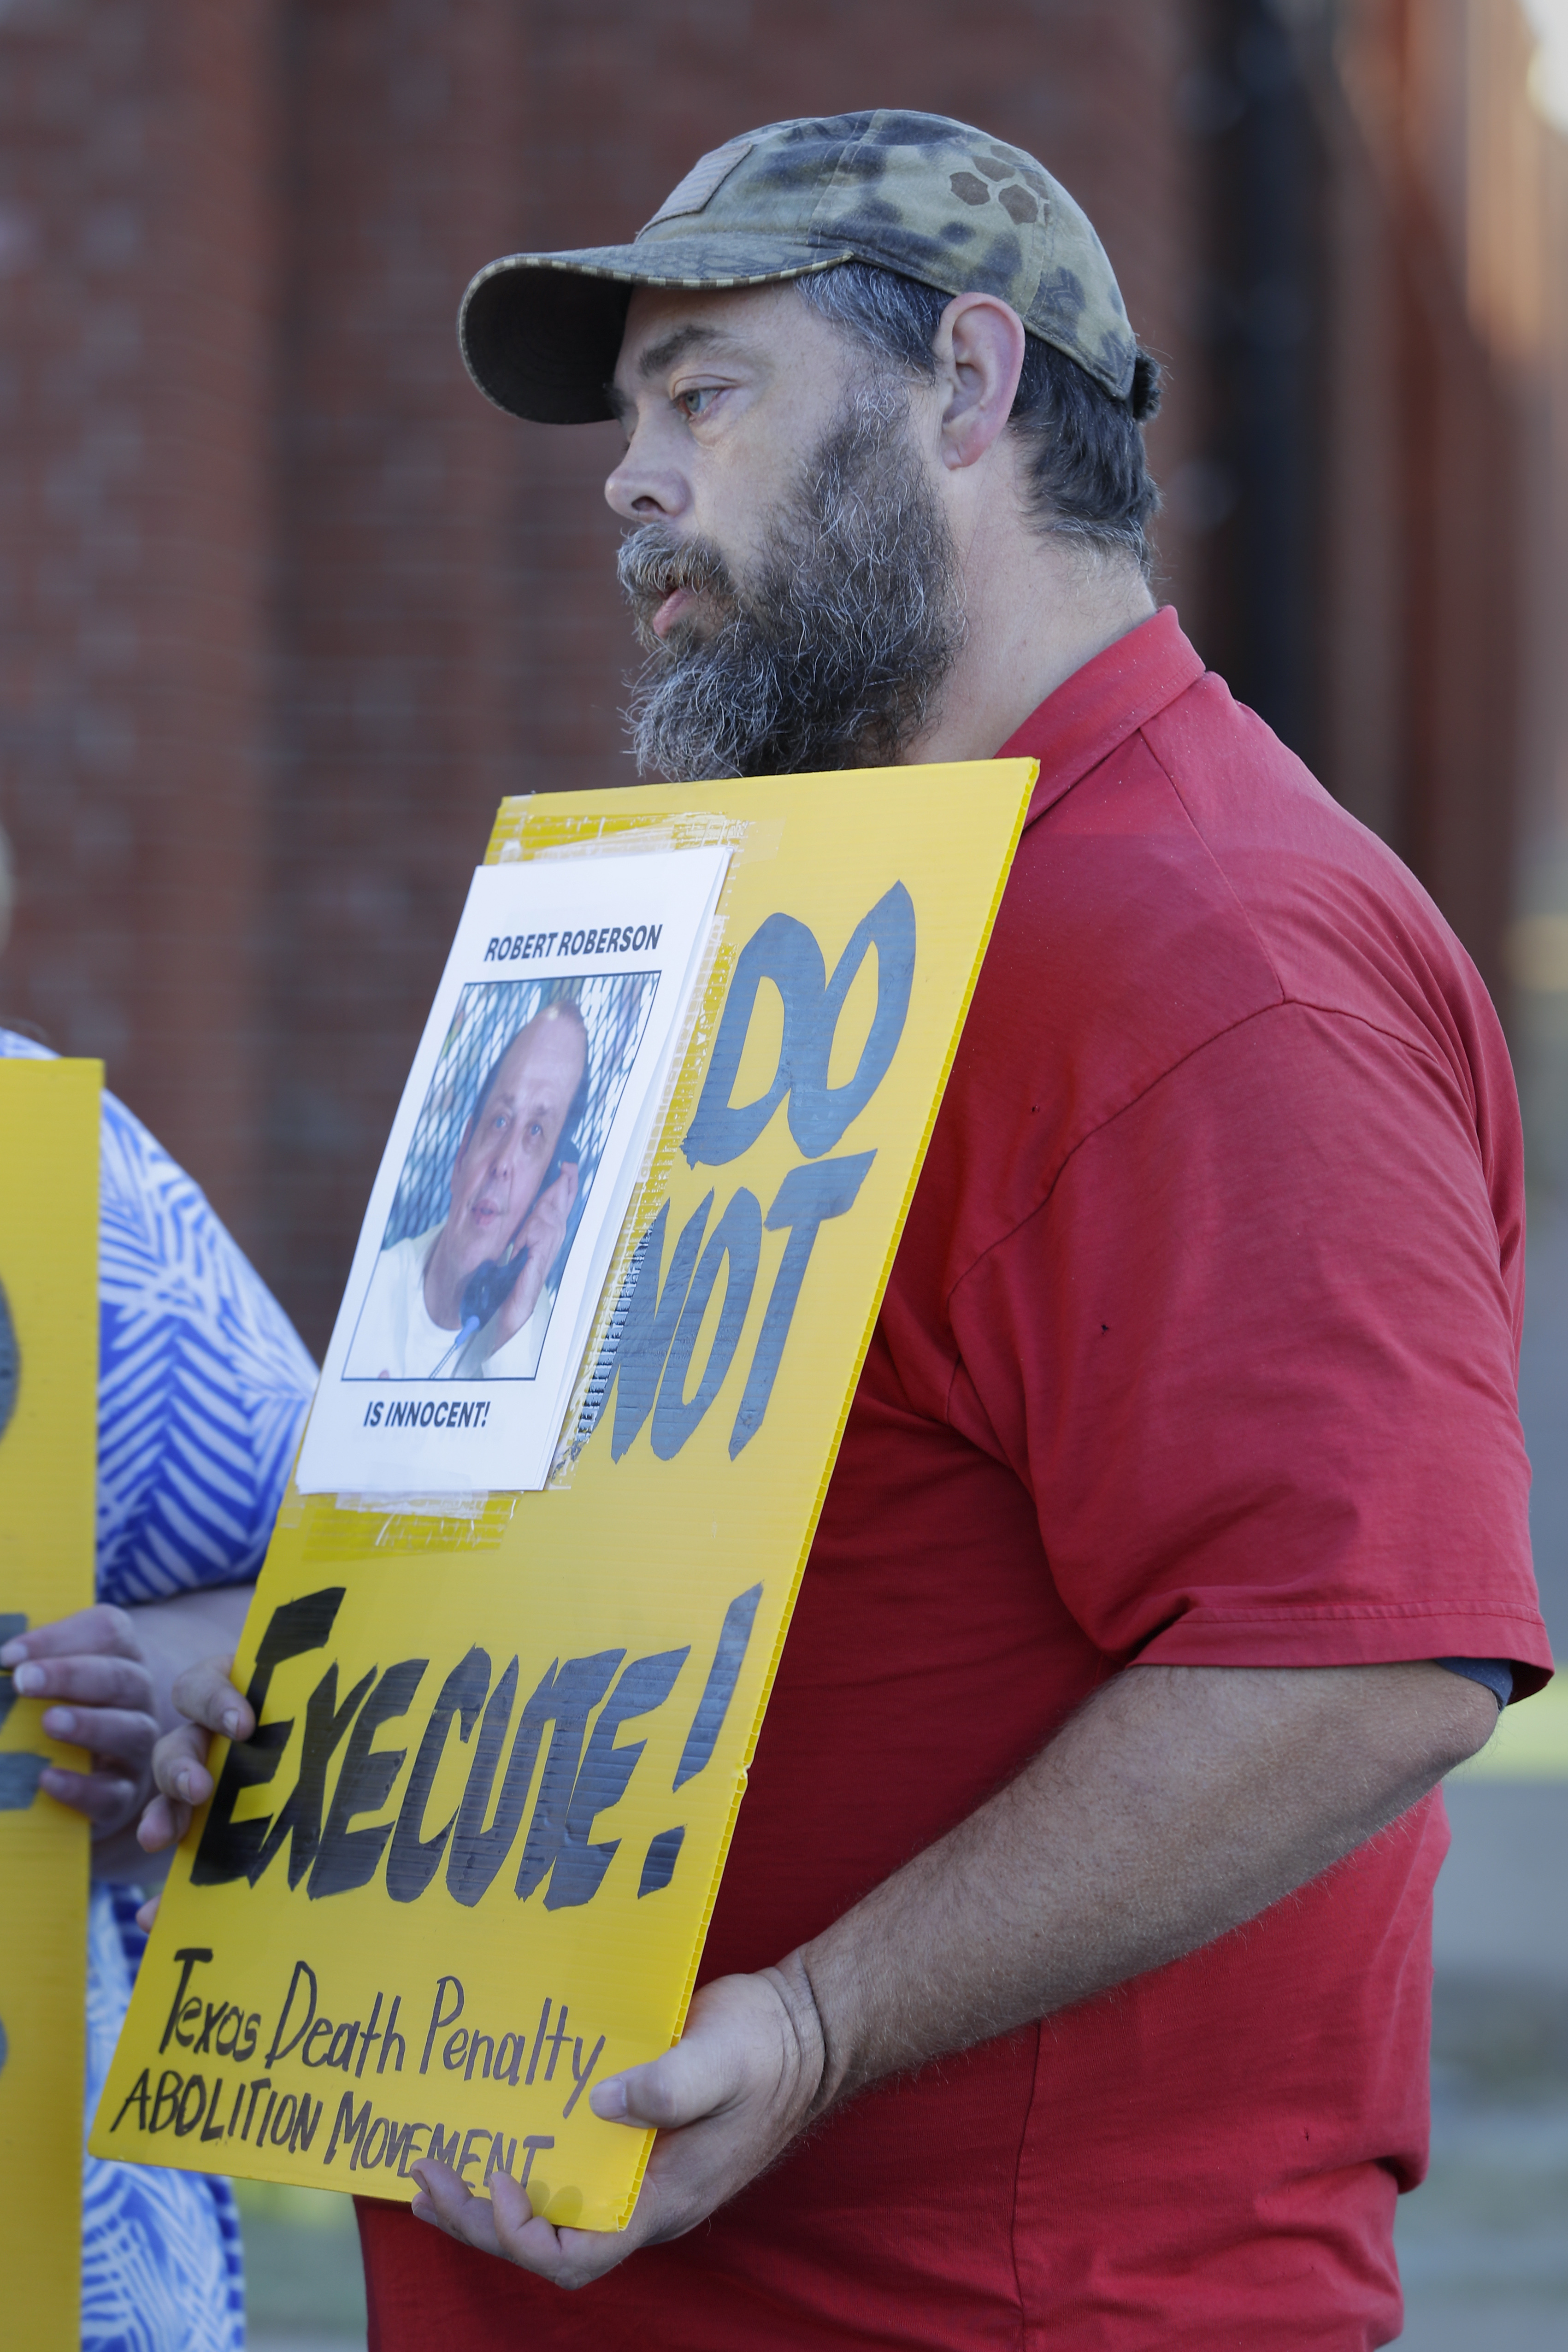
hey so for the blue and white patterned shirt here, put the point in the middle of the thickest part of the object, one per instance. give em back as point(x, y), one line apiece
point(203, 1385)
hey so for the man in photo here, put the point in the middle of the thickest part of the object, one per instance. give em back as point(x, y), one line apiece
point(447, 1301)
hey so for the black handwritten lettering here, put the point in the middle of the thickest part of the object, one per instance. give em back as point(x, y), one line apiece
point(299, 1822)
point(414, 1859)
point(141, 2090)
point(564, 1698)
point(340, 2049)
point(391, 2036)
point(783, 951)
point(602, 1776)
point(539, 2041)
point(228, 1848)
point(806, 1199)
point(653, 1312)
point(439, 2017)
point(506, 2068)
point(262, 2083)
point(349, 2128)
point(189, 1956)
point(279, 2048)
point(735, 1636)
point(347, 1857)
point(478, 1852)
point(305, 2123)
point(579, 2073)
point(736, 1240)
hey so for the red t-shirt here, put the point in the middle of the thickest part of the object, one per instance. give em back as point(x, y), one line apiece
point(1200, 1348)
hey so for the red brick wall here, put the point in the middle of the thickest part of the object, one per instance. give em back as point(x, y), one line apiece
point(288, 607)
point(135, 323)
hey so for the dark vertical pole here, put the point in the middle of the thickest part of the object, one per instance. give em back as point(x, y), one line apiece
point(1251, 104)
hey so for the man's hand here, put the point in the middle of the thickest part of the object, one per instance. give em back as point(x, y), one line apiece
point(542, 1232)
point(1180, 1803)
point(209, 1703)
point(91, 1668)
point(726, 2102)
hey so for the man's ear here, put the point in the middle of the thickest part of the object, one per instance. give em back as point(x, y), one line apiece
point(979, 351)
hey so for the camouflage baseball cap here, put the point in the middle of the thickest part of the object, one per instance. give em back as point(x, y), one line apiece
point(914, 192)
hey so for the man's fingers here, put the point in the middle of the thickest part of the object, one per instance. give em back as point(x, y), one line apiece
point(117, 1734)
point(453, 2207)
point(725, 2101)
point(506, 2225)
point(694, 2079)
point(164, 1823)
point(148, 1913)
point(183, 1783)
point(180, 1766)
point(89, 1680)
point(106, 1798)
point(205, 1694)
point(101, 1629)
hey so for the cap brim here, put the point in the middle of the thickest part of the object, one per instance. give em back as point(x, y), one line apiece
point(540, 332)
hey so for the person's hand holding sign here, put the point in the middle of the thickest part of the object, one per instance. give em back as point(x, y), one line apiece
point(207, 1703)
point(726, 2102)
point(111, 1679)
point(1178, 1803)
point(89, 1670)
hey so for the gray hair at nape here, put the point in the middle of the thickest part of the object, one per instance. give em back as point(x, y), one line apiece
point(1087, 468)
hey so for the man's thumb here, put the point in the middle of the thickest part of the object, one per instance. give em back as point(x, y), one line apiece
point(685, 2084)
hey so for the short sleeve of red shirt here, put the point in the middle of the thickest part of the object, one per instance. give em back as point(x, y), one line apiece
point(1254, 1358)
point(1237, 1297)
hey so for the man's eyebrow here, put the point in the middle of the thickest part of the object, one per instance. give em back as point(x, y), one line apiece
point(660, 357)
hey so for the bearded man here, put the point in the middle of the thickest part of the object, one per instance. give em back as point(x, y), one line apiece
point(1069, 1980)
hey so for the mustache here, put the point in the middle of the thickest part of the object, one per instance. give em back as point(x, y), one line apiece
point(653, 562)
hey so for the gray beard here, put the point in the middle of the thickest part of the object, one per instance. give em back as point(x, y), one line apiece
point(833, 653)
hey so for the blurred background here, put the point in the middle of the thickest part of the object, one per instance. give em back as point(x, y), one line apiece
point(286, 608)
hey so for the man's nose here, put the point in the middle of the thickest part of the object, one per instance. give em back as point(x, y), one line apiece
point(508, 1154)
point(646, 488)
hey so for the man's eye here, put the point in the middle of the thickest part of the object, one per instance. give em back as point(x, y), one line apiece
point(696, 403)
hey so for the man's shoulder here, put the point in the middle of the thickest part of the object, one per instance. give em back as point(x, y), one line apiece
point(1195, 881)
point(1121, 943)
point(1199, 875)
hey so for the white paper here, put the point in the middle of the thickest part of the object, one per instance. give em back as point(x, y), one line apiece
point(508, 1173)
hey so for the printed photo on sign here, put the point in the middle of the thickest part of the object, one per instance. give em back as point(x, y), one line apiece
point(493, 1190)
point(508, 1172)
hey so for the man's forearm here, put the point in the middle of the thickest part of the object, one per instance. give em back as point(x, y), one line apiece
point(1180, 1803)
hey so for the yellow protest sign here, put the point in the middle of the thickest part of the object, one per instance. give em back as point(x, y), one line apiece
point(465, 1866)
point(48, 1429)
